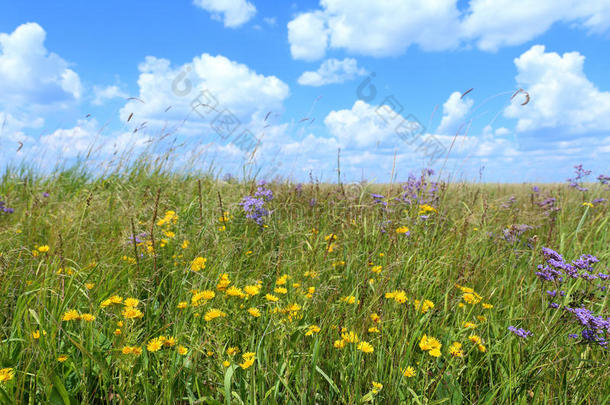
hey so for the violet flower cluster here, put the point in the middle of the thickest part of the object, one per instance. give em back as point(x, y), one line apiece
point(522, 333)
point(5, 209)
point(254, 206)
point(595, 328)
point(576, 182)
point(419, 190)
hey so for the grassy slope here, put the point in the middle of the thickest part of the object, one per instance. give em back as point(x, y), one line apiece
point(87, 224)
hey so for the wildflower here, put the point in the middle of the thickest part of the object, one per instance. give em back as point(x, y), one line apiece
point(271, 297)
point(408, 372)
point(182, 350)
point(182, 305)
point(487, 306)
point(377, 387)
point(199, 296)
point(131, 350)
point(280, 290)
point(252, 290)
point(339, 344)
point(587, 204)
point(425, 209)
point(185, 244)
point(373, 329)
point(71, 315)
point(223, 282)
point(522, 333)
point(6, 374)
point(154, 345)
point(131, 302)
point(402, 230)
point(212, 314)
point(398, 296)
point(350, 337)
point(475, 339)
point(365, 347)
point(430, 345)
point(310, 292)
point(376, 269)
point(115, 299)
point(470, 325)
point(456, 349)
point(117, 332)
point(248, 360)
point(375, 318)
point(61, 358)
point(36, 334)
point(350, 299)
point(482, 348)
point(132, 313)
point(89, 286)
point(43, 249)
point(425, 306)
point(312, 329)
point(255, 312)
point(87, 317)
point(226, 363)
point(482, 318)
point(234, 291)
point(198, 263)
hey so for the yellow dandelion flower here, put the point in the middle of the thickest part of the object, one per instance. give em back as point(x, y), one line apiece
point(182, 350)
point(365, 347)
point(312, 329)
point(402, 230)
point(226, 363)
point(182, 304)
point(408, 372)
point(213, 314)
point(377, 387)
point(71, 315)
point(89, 286)
point(154, 345)
point(198, 263)
point(132, 313)
point(339, 344)
point(87, 317)
point(6, 374)
point(61, 358)
point(131, 302)
point(271, 297)
point(255, 312)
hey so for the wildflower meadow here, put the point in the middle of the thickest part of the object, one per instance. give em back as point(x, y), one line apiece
point(146, 285)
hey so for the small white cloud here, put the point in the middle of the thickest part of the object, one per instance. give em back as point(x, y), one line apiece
point(332, 71)
point(233, 13)
point(455, 110)
point(308, 36)
point(102, 94)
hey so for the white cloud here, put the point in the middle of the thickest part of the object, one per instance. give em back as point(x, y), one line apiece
point(32, 76)
point(187, 99)
point(561, 96)
point(234, 12)
point(308, 36)
point(388, 28)
point(455, 110)
point(102, 94)
point(332, 71)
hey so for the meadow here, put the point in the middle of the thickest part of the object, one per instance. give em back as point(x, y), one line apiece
point(153, 286)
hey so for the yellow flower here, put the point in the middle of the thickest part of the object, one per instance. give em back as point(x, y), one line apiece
point(131, 302)
point(43, 249)
point(365, 347)
point(198, 263)
point(252, 289)
point(350, 299)
point(430, 345)
point(376, 269)
point(185, 244)
point(6, 374)
point(223, 282)
point(213, 313)
point(132, 313)
point(375, 318)
point(87, 317)
point(350, 337)
point(487, 306)
point(36, 334)
point(117, 332)
point(408, 372)
point(71, 315)
point(231, 351)
point(89, 286)
point(470, 325)
point(280, 290)
point(282, 280)
point(398, 296)
point(475, 339)
point(154, 345)
point(402, 230)
point(424, 209)
point(115, 299)
point(248, 360)
point(339, 344)
point(424, 306)
point(482, 348)
point(271, 297)
point(587, 204)
point(377, 387)
point(472, 298)
point(234, 291)
point(255, 312)
point(482, 318)
point(226, 363)
point(182, 304)
point(373, 329)
point(61, 358)
point(182, 350)
point(312, 329)
point(456, 349)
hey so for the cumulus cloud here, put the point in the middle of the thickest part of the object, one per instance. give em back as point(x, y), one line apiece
point(332, 71)
point(455, 110)
point(233, 13)
point(32, 76)
point(389, 27)
point(562, 97)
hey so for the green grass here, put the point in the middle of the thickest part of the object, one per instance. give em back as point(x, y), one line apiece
point(86, 221)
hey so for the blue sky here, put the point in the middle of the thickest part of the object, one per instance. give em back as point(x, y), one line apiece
point(289, 73)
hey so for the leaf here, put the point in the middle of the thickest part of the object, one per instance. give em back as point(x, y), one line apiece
point(327, 378)
point(59, 388)
point(228, 377)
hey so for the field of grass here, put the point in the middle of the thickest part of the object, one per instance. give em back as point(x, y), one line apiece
point(151, 287)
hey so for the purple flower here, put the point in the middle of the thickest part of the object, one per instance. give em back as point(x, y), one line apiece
point(522, 333)
point(576, 182)
point(254, 206)
point(45, 194)
point(535, 189)
point(5, 209)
